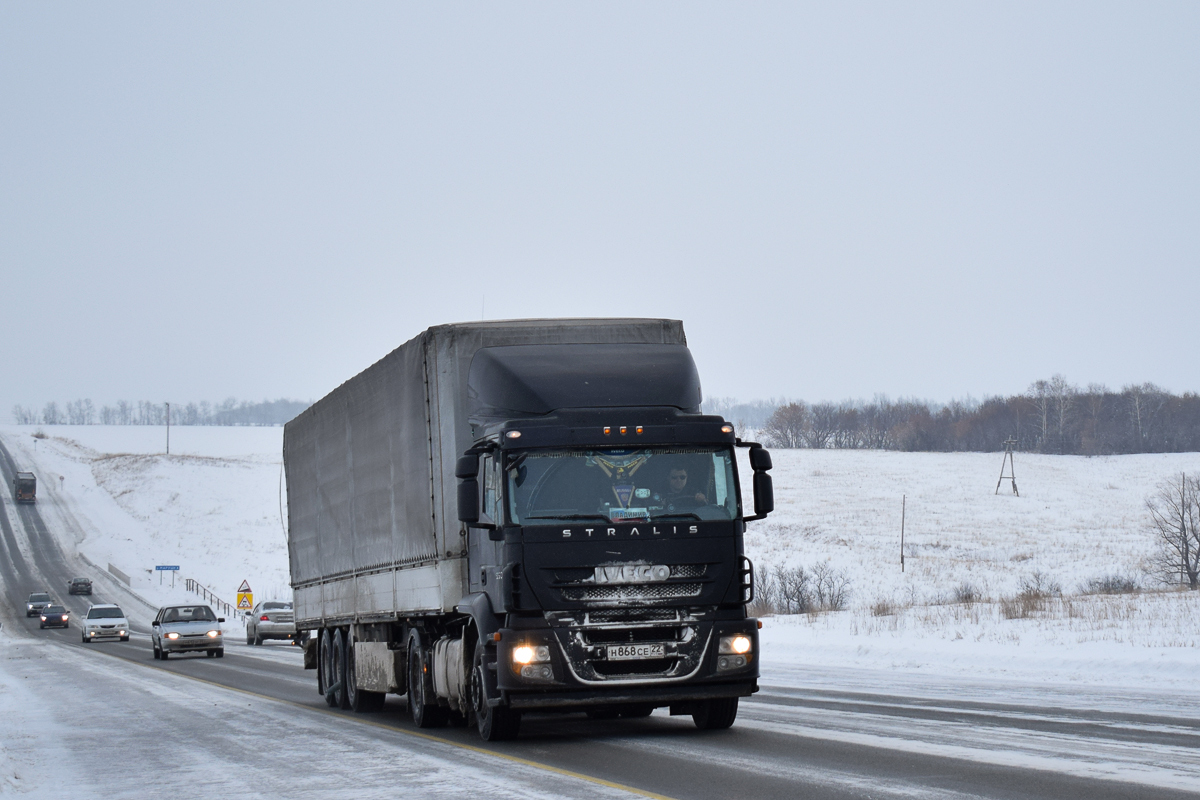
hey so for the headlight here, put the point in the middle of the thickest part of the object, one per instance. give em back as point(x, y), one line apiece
point(43, 617)
point(529, 654)
point(64, 617)
point(213, 634)
point(121, 633)
point(739, 644)
point(172, 635)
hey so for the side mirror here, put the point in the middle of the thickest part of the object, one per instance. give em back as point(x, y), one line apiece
point(154, 624)
point(467, 466)
point(468, 499)
point(220, 619)
point(760, 459)
point(764, 494)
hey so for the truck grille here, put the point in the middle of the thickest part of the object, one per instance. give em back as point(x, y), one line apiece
point(586, 636)
point(645, 591)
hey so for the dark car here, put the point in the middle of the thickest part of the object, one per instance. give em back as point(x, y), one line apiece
point(55, 617)
point(36, 602)
point(79, 586)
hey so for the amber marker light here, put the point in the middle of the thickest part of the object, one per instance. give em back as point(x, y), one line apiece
point(623, 429)
point(513, 434)
point(639, 430)
point(726, 429)
point(607, 430)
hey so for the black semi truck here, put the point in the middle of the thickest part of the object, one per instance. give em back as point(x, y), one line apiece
point(531, 515)
point(25, 487)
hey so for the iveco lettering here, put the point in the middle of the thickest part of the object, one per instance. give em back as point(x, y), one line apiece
point(502, 517)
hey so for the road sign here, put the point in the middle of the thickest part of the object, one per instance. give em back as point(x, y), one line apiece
point(245, 597)
point(162, 567)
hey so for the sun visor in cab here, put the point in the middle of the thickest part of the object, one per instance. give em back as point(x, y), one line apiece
point(535, 379)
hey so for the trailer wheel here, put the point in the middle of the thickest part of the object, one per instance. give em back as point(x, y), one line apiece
point(496, 723)
point(716, 714)
point(338, 657)
point(424, 709)
point(361, 700)
point(325, 665)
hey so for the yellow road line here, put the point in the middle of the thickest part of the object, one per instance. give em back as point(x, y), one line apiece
point(429, 737)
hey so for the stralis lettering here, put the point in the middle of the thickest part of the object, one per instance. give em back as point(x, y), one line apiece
point(640, 530)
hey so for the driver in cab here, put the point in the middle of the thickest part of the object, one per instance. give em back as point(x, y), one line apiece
point(678, 495)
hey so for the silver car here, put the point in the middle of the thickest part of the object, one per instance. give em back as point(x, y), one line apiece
point(187, 629)
point(271, 619)
point(105, 621)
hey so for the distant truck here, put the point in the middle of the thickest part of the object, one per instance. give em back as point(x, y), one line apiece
point(531, 515)
point(25, 487)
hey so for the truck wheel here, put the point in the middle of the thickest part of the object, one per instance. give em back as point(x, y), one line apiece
point(338, 657)
point(361, 700)
point(716, 714)
point(421, 704)
point(325, 664)
point(496, 723)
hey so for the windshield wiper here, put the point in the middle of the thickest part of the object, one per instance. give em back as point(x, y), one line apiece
point(598, 517)
point(677, 515)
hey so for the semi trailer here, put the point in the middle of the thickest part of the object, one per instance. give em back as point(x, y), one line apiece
point(25, 487)
point(500, 518)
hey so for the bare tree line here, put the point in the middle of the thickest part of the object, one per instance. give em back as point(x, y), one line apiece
point(144, 412)
point(1052, 416)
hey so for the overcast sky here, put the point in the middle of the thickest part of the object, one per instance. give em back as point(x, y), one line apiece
point(933, 200)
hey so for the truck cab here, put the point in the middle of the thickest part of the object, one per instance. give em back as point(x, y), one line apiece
point(605, 530)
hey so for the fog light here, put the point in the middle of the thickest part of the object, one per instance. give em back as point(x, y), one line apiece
point(731, 662)
point(539, 672)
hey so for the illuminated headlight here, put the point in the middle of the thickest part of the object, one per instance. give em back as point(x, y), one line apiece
point(172, 635)
point(120, 633)
point(213, 634)
point(29, 606)
point(531, 654)
point(739, 644)
point(64, 617)
point(44, 617)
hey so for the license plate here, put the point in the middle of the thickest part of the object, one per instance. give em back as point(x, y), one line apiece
point(630, 652)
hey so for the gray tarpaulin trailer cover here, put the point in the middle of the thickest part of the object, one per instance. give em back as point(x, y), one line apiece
point(372, 518)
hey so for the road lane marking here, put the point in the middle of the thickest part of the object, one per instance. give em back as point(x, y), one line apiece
point(416, 734)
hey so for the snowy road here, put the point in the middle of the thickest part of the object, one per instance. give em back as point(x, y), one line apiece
point(102, 719)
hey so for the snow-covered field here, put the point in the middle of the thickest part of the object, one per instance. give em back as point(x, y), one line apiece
point(213, 507)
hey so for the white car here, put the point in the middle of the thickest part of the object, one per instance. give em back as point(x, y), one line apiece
point(105, 621)
point(187, 629)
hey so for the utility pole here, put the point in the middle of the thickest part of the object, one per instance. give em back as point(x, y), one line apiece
point(168, 428)
point(903, 504)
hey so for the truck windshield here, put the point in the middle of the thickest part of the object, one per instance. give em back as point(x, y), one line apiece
point(621, 485)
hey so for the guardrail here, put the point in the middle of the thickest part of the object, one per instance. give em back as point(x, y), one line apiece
point(227, 609)
point(121, 576)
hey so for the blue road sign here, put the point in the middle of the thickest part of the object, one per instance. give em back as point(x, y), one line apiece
point(160, 567)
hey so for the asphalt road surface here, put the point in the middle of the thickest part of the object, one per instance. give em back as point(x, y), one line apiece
point(787, 742)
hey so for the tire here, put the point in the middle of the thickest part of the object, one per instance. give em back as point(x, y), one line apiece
point(258, 640)
point(325, 664)
point(85, 639)
point(156, 651)
point(715, 715)
point(495, 723)
point(124, 638)
point(42, 626)
point(210, 653)
point(163, 654)
point(221, 653)
point(361, 701)
point(425, 711)
point(249, 638)
point(340, 698)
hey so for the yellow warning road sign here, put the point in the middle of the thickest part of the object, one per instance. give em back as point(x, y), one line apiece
point(245, 597)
